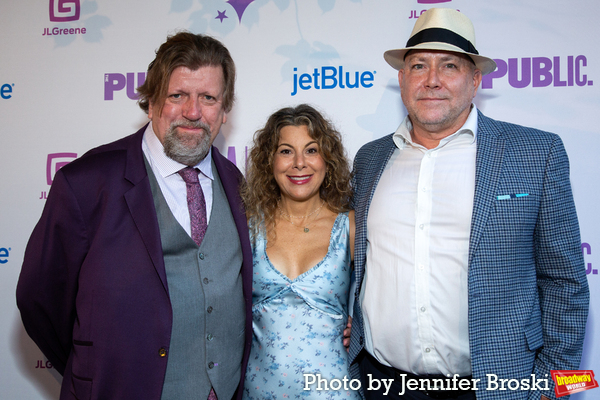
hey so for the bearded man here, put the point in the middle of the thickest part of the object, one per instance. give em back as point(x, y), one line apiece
point(136, 281)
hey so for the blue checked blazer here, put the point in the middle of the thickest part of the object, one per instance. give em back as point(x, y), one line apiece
point(528, 291)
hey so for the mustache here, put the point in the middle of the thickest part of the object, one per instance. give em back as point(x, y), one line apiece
point(190, 124)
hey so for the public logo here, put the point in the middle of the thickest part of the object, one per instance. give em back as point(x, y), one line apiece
point(328, 77)
point(64, 10)
point(6, 91)
point(586, 248)
point(540, 72)
point(569, 382)
point(4, 253)
point(115, 82)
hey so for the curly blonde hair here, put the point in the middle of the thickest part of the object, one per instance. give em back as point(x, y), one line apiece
point(261, 193)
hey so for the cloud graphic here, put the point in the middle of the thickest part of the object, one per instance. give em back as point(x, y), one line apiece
point(239, 6)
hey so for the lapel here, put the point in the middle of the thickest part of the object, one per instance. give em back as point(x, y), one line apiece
point(141, 205)
point(488, 167)
point(231, 179)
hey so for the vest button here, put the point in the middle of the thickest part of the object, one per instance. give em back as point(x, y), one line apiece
point(211, 365)
point(209, 310)
point(162, 352)
point(205, 280)
point(209, 337)
point(201, 256)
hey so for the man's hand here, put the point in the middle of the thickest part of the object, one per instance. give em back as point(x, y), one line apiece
point(347, 333)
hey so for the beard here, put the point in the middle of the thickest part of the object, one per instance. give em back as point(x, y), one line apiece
point(185, 148)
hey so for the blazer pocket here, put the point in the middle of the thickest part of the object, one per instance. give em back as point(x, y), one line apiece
point(534, 336)
point(81, 387)
point(81, 367)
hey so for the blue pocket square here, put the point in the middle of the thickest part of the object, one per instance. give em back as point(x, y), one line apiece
point(512, 196)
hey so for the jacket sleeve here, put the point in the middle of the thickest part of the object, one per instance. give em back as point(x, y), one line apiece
point(47, 286)
point(561, 278)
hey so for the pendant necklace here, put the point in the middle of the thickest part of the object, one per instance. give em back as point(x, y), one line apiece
point(306, 230)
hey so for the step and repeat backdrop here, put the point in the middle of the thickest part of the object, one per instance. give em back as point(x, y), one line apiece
point(69, 69)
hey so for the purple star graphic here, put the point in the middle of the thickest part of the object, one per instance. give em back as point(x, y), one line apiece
point(221, 15)
point(239, 6)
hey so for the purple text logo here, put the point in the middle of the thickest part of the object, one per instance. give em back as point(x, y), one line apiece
point(586, 248)
point(540, 72)
point(116, 82)
point(432, 1)
point(43, 365)
point(4, 255)
point(64, 10)
point(55, 162)
point(6, 90)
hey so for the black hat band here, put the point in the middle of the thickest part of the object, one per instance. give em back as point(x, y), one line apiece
point(441, 35)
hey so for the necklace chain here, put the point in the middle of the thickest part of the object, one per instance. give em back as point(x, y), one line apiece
point(306, 230)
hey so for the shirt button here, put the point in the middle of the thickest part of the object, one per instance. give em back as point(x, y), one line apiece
point(209, 310)
point(201, 256)
point(427, 350)
point(162, 352)
point(209, 337)
point(423, 309)
point(421, 226)
point(211, 365)
point(205, 280)
point(421, 267)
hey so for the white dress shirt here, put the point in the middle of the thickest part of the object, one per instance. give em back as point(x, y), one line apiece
point(414, 295)
point(171, 183)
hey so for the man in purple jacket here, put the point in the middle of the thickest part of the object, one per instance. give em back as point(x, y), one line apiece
point(136, 281)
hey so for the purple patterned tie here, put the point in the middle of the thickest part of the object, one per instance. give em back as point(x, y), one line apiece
point(196, 204)
point(212, 395)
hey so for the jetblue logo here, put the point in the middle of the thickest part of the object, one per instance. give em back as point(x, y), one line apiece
point(332, 78)
point(117, 82)
point(540, 72)
point(64, 10)
point(6, 91)
point(586, 248)
point(4, 255)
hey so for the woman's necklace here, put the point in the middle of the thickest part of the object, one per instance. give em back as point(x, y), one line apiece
point(306, 230)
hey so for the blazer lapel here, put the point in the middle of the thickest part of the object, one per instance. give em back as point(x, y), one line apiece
point(488, 166)
point(141, 205)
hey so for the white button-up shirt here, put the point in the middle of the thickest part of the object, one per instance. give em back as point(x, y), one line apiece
point(414, 295)
point(171, 183)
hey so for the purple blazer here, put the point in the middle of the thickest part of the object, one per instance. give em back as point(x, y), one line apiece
point(92, 292)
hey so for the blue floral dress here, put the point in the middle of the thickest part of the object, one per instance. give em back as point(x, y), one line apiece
point(298, 325)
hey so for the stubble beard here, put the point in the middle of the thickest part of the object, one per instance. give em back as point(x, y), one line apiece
point(185, 148)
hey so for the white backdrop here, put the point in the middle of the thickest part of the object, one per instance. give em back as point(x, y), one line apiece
point(68, 69)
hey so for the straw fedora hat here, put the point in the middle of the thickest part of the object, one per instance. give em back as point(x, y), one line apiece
point(442, 29)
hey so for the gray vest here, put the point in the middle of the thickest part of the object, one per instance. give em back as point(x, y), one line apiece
point(205, 288)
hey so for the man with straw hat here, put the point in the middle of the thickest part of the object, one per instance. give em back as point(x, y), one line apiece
point(469, 271)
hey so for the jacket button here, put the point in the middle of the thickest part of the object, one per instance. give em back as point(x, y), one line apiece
point(361, 340)
point(205, 281)
point(201, 256)
point(211, 365)
point(209, 337)
point(162, 352)
point(209, 309)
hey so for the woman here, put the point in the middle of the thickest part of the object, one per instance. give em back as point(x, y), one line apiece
point(297, 201)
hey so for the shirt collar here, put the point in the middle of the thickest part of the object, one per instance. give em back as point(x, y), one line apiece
point(167, 166)
point(402, 135)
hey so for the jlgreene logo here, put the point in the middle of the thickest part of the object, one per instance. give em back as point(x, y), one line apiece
point(328, 77)
point(540, 72)
point(64, 10)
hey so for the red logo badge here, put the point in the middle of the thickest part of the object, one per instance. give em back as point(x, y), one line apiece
point(568, 382)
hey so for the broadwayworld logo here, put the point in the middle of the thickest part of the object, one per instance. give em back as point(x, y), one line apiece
point(569, 382)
